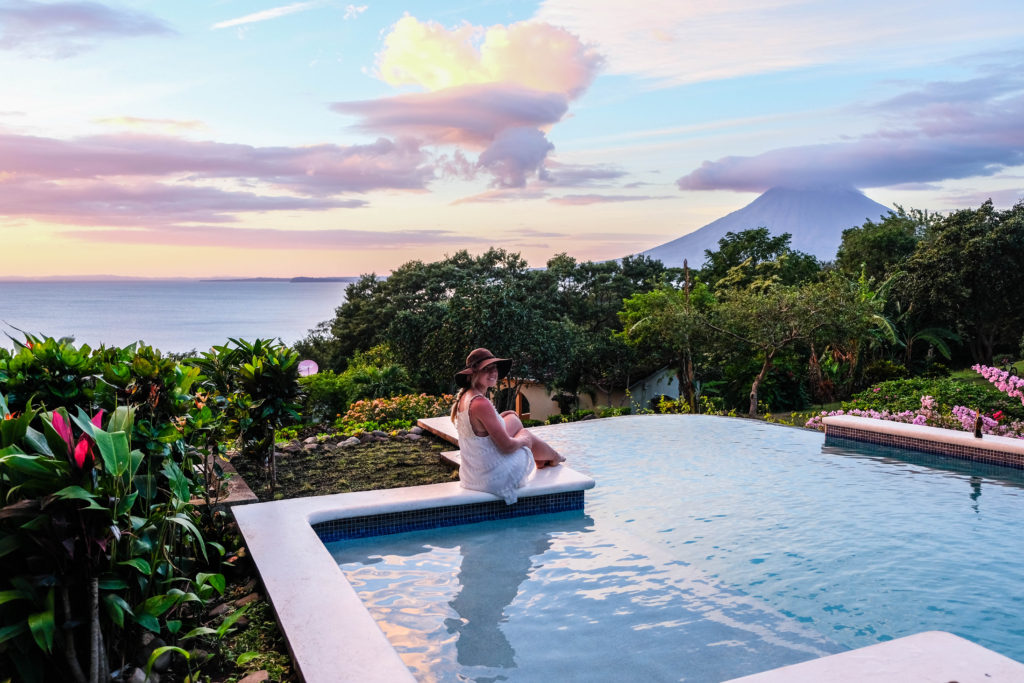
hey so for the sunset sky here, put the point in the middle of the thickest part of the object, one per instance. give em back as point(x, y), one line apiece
point(233, 138)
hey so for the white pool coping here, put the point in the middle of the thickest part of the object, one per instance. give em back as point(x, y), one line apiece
point(932, 656)
point(989, 442)
point(330, 633)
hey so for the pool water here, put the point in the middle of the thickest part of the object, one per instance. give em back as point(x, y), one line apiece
point(711, 548)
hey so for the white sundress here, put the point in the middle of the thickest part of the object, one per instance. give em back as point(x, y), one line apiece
point(484, 467)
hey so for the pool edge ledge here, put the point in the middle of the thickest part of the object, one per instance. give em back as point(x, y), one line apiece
point(990, 449)
point(926, 656)
point(329, 632)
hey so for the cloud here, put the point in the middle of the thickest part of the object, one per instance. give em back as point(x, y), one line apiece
point(501, 195)
point(278, 239)
point(318, 170)
point(63, 29)
point(673, 43)
point(158, 205)
point(930, 138)
point(133, 180)
point(588, 199)
point(267, 14)
point(353, 11)
point(558, 174)
point(532, 55)
point(494, 91)
point(472, 115)
point(515, 153)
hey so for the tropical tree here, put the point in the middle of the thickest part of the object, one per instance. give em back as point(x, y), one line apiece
point(965, 276)
point(755, 256)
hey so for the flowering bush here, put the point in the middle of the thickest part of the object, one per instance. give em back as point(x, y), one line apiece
point(409, 407)
point(930, 412)
point(1009, 384)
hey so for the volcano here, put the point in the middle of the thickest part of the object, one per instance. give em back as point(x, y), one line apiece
point(815, 217)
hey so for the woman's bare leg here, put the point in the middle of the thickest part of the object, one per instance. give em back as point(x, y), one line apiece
point(543, 454)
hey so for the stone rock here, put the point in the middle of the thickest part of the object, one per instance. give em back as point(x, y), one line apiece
point(310, 447)
point(381, 438)
point(138, 675)
point(309, 440)
point(351, 441)
point(588, 417)
point(250, 586)
point(251, 597)
point(219, 610)
point(413, 437)
point(402, 432)
point(291, 447)
point(256, 677)
point(147, 643)
point(281, 454)
point(378, 433)
point(366, 437)
point(241, 623)
point(416, 430)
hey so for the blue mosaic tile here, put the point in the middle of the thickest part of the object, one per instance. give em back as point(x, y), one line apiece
point(449, 515)
point(835, 434)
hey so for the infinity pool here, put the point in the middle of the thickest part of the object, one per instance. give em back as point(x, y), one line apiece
point(711, 548)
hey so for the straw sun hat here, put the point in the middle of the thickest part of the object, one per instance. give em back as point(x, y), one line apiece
point(477, 360)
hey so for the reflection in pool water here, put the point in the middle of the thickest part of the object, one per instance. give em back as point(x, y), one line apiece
point(711, 548)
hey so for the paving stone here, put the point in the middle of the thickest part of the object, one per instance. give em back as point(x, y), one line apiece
point(256, 677)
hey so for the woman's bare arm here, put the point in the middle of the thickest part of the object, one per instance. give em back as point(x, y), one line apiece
point(484, 414)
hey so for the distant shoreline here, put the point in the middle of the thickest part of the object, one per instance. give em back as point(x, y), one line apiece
point(115, 278)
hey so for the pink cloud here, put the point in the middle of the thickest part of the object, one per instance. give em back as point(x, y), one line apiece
point(274, 238)
point(588, 199)
point(131, 180)
point(63, 29)
point(471, 115)
point(316, 170)
point(932, 137)
point(494, 91)
point(101, 202)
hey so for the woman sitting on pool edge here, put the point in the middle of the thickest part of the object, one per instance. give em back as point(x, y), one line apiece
point(498, 454)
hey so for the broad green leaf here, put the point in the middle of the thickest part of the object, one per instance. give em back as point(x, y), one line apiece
point(8, 596)
point(112, 583)
point(230, 620)
point(38, 523)
point(113, 450)
point(124, 505)
point(159, 651)
point(186, 523)
point(158, 604)
point(199, 631)
point(42, 626)
point(121, 420)
point(177, 480)
point(116, 608)
point(246, 657)
point(136, 460)
point(173, 625)
point(215, 580)
point(15, 630)
point(33, 465)
point(37, 442)
point(148, 622)
point(139, 563)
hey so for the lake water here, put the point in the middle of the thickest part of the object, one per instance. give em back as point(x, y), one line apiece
point(171, 316)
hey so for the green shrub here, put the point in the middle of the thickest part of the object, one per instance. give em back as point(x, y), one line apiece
point(901, 395)
point(327, 396)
